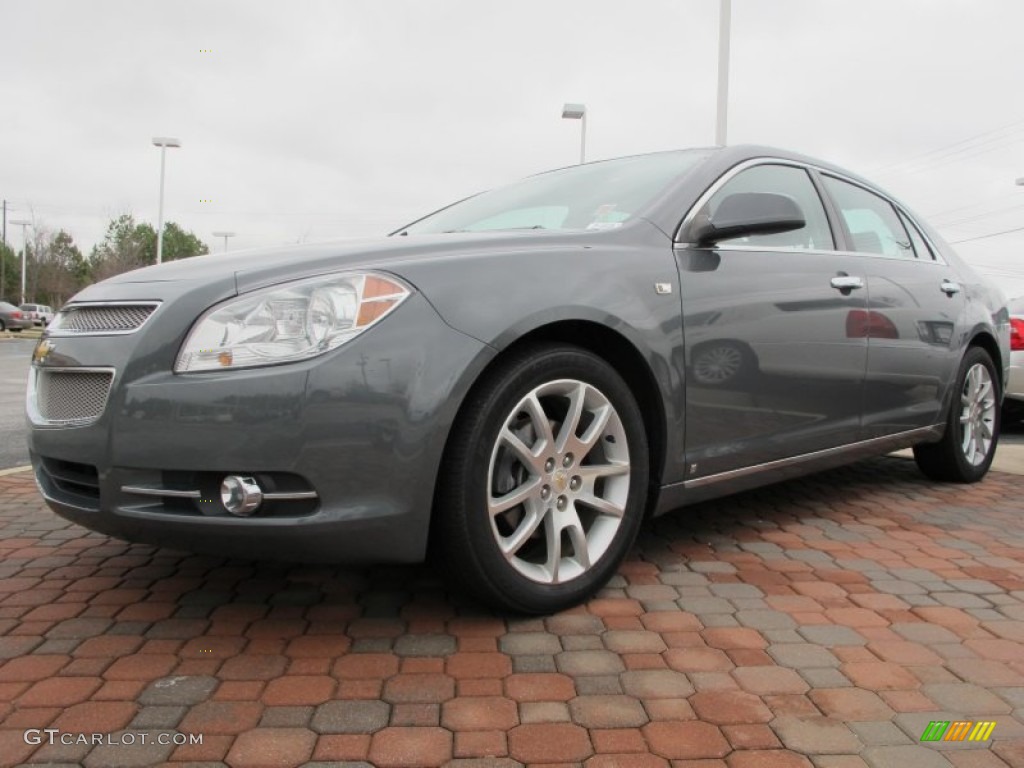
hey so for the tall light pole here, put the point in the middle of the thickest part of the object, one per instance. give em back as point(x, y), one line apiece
point(722, 119)
point(225, 235)
point(578, 112)
point(3, 256)
point(24, 224)
point(163, 142)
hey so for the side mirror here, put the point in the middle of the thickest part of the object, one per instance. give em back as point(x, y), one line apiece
point(747, 213)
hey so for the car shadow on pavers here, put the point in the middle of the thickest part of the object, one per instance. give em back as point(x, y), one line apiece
point(823, 622)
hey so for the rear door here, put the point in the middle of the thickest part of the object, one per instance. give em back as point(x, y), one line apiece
point(771, 368)
point(911, 324)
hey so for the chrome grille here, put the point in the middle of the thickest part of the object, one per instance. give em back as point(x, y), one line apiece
point(69, 396)
point(102, 318)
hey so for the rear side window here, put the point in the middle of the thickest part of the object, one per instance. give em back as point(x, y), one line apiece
point(781, 180)
point(872, 222)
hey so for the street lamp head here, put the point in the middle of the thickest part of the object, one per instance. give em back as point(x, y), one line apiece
point(574, 111)
point(22, 222)
point(223, 234)
point(166, 141)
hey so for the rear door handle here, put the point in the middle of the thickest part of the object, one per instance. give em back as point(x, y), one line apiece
point(847, 282)
point(949, 287)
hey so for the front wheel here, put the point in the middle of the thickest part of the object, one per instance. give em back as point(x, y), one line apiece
point(965, 452)
point(544, 482)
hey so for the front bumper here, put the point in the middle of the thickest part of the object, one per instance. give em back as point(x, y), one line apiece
point(363, 426)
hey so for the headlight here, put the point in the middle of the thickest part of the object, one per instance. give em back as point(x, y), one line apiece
point(288, 322)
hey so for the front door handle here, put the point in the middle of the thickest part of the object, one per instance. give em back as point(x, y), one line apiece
point(847, 282)
point(949, 287)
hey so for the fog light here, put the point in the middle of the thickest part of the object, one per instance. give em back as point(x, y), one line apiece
point(240, 495)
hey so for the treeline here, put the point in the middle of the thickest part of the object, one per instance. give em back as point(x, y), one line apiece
point(56, 269)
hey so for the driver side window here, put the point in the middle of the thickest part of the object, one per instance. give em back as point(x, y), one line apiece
point(780, 180)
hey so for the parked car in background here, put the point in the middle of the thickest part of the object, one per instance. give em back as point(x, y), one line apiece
point(40, 314)
point(1013, 405)
point(520, 379)
point(12, 318)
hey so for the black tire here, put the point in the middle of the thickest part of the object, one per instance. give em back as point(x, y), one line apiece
point(1013, 412)
point(3, 326)
point(948, 460)
point(479, 459)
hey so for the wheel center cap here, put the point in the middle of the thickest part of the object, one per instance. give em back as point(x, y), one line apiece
point(560, 480)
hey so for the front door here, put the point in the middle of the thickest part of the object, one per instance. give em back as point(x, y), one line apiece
point(772, 369)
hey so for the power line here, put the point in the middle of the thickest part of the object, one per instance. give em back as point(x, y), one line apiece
point(956, 157)
point(985, 237)
point(996, 212)
point(1016, 126)
point(998, 271)
point(980, 204)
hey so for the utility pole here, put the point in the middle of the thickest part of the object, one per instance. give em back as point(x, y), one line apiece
point(24, 224)
point(722, 117)
point(3, 257)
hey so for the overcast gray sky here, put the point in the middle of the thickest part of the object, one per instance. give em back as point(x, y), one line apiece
point(311, 120)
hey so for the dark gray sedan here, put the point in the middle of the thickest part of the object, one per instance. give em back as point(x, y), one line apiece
point(13, 318)
point(518, 380)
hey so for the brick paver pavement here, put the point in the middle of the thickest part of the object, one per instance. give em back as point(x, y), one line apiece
point(823, 622)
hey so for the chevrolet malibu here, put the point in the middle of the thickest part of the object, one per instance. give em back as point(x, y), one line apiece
point(518, 380)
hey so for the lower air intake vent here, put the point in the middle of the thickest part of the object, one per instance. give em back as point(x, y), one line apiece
point(69, 396)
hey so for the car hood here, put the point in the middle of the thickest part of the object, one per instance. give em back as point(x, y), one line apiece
point(258, 268)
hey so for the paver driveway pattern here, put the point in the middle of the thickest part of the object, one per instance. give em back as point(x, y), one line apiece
point(824, 622)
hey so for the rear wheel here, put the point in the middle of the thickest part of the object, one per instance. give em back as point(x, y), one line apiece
point(545, 481)
point(965, 452)
point(3, 326)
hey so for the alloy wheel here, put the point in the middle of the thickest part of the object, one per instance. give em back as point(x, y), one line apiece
point(558, 481)
point(977, 414)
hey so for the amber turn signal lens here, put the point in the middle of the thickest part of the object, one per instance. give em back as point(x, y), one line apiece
point(375, 287)
point(371, 310)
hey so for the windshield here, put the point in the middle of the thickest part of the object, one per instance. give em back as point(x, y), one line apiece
point(594, 196)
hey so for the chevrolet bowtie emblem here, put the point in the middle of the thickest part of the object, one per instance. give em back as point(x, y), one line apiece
point(42, 351)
